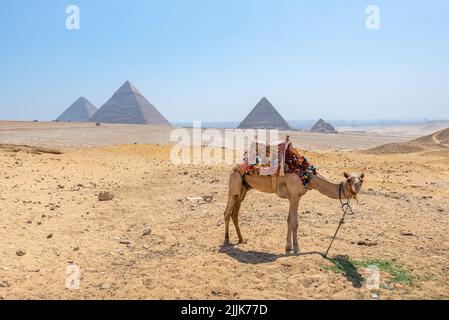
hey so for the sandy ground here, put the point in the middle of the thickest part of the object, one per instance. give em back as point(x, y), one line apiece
point(51, 218)
point(78, 135)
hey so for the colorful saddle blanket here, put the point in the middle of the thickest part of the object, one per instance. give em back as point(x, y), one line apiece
point(275, 160)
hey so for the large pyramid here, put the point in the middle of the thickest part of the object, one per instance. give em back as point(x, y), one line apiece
point(129, 106)
point(264, 116)
point(81, 110)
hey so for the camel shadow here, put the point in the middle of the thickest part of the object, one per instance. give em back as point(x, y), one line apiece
point(249, 257)
point(341, 264)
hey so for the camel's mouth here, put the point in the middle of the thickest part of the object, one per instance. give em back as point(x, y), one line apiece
point(356, 189)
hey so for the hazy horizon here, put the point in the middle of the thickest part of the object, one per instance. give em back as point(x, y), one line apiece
point(214, 60)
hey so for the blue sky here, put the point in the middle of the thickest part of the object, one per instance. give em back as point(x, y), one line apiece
point(212, 60)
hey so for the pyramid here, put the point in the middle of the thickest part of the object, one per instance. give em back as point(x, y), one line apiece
point(264, 116)
point(80, 111)
point(323, 127)
point(129, 106)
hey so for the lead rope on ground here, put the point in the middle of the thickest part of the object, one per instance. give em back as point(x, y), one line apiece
point(347, 209)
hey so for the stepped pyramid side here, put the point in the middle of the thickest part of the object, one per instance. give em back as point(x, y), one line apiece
point(323, 127)
point(129, 106)
point(80, 111)
point(264, 116)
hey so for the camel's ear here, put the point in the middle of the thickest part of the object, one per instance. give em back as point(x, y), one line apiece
point(346, 175)
point(362, 176)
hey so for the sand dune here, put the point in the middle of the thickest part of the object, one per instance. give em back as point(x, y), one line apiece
point(438, 140)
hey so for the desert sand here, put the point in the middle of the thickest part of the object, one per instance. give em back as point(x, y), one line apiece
point(152, 241)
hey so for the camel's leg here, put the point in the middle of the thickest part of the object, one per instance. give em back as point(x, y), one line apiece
point(232, 200)
point(288, 246)
point(235, 187)
point(293, 214)
point(235, 213)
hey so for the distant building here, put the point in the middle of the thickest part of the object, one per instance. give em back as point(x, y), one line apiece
point(323, 127)
point(80, 111)
point(264, 116)
point(129, 106)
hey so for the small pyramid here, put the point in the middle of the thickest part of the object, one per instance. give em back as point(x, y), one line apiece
point(80, 111)
point(129, 106)
point(264, 116)
point(323, 127)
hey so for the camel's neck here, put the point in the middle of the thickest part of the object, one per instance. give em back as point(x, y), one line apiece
point(330, 189)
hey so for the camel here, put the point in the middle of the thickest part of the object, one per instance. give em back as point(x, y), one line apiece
point(288, 187)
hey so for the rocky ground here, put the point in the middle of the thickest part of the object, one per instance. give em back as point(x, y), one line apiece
point(161, 235)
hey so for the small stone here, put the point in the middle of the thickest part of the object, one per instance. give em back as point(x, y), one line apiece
point(20, 252)
point(76, 248)
point(367, 243)
point(146, 232)
point(105, 286)
point(4, 284)
point(105, 196)
point(49, 236)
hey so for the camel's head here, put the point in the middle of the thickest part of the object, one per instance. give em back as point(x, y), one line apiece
point(355, 182)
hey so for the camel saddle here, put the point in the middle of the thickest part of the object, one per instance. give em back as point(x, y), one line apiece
point(275, 160)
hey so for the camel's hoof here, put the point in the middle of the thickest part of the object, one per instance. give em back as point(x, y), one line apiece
point(296, 252)
point(288, 251)
point(243, 241)
point(226, 242)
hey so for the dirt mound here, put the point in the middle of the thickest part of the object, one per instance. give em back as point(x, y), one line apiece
point(437, 140)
